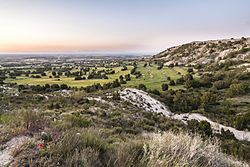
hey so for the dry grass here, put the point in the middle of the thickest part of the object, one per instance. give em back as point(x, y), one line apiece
point(91, 148)
point(183, 150)
point(129, 154)
point(79, 149)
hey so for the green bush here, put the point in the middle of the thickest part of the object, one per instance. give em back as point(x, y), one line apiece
point(75, 149)
point(32, 120)
point(142, 87)
point(164, 87)
point(171, 83)
point(78, 121)
point(237, 89)
point(243, 122)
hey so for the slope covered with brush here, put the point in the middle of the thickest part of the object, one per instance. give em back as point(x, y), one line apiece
point(207, 52)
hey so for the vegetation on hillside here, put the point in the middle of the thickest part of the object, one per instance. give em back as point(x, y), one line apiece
point(74, 116)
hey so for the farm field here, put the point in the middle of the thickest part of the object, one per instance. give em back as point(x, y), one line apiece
point(70, 81)
point(152, 77)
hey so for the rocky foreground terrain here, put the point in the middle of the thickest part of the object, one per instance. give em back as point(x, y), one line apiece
point(144, 101)
point(178, 149)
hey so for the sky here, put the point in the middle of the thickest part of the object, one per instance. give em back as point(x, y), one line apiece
point(143, 26)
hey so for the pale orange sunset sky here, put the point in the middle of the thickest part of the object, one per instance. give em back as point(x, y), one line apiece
point(113, 25)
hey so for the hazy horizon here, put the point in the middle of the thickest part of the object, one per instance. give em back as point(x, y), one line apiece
point(109, 53)
point(141, 27)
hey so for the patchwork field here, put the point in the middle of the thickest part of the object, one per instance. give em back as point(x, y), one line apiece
point(154, 78)
point(70, 81)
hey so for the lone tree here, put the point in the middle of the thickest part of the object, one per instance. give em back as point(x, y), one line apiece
point(124, 68)
point(164, 87)
point(207, 99)
point(53, 73)
point(127, 77)
point(171, 83)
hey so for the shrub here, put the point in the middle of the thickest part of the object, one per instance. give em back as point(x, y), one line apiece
point(127, 77)
point(220, 85)
point(180, 81)
point(142, 87)
point(208, 98)
point(124, 68)
point(243, 122)
point(155, 91)
point(192, 84)
point(91, 148)
point(171, 83)
point(78, 78)
point(64, 86)
point(43, 74)
point(205, 128)
point(188, 77)
point(35, 76)
point(164, 87)
point(76, 149)
point(32, 120)
point(129, 154)
point(181, 149)
point(78, 121)
point(55, 87)
point(237, 89)
point(54, 73)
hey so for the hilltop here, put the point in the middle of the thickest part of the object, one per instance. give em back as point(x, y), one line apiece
point(207, 52)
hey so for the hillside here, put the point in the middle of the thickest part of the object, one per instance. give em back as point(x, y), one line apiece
point(102, 129)
point(122, 112)
point(207, 52)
